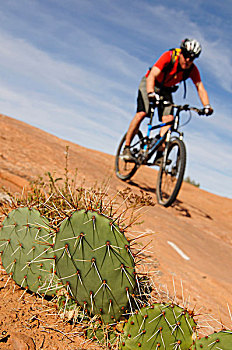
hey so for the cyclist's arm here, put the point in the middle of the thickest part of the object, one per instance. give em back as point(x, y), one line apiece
point(202, 93)
point(155, 71)
point(157, 68)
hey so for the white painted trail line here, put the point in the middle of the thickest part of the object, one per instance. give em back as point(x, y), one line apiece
point(178, 250)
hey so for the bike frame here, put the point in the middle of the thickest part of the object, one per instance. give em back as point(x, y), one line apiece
point(174, 124)
point(172, 163)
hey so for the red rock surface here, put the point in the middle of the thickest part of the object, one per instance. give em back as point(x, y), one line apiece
point(200, 224)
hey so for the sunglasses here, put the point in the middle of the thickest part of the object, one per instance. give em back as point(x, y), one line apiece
point(186, 55)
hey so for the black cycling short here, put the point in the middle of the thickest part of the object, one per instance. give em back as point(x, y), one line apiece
point(143, 102)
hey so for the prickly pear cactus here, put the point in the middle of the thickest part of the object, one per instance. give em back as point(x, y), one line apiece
point(103, 334)
point(216, 341)
point(65, 303)
point(94, 261)
point(161, 326)
point(25, 242)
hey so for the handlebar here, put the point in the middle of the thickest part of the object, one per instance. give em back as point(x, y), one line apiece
point(182, 107)
point(199, 111)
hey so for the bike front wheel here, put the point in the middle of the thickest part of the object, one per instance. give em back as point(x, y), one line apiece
point(171, 173)
point(124, 169)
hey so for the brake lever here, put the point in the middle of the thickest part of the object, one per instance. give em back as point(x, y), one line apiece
point(185, 107)
point(201, 112)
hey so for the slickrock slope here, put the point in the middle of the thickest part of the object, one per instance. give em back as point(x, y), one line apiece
point(199, 224)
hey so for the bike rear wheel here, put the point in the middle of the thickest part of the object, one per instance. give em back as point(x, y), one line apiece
point(171, 173)
point(124, 169)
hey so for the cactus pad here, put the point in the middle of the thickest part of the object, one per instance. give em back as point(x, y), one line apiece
point(94, 261)
point(104, 334)
point(161, 326)
point(216, 341)
point(25, 241)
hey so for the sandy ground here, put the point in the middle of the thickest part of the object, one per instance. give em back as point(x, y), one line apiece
point(199, 224)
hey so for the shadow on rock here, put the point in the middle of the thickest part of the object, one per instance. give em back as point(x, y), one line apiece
point(178, 205)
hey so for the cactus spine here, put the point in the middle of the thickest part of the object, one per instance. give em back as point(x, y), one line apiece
point(160, 326)
point(93, 260)
point(25, 243)
point(216, 341)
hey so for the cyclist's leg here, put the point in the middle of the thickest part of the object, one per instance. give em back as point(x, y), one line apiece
point(142, 110)
point(166, 114)
point(166, 119)
point(134, 126)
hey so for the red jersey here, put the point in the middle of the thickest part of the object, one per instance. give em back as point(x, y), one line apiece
point(175, 75)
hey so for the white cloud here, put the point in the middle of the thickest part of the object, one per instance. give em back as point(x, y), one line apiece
point(50, 78)
point(74, 75)
point(164, 24)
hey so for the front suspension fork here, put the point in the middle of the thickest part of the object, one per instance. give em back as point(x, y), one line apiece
point(168, 138)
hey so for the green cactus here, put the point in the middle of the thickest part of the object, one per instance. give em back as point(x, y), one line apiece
point(69, 310)
point(105, 335)
point(94, 261)
point(216, 341)
point(161, 326)
point(66, 304)
point(25, 242)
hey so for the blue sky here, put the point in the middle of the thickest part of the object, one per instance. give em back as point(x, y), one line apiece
point(72, 68)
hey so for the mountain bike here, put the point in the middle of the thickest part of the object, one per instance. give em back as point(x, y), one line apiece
point(144, 147)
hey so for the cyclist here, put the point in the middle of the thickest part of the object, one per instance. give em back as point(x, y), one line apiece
point(161, 80)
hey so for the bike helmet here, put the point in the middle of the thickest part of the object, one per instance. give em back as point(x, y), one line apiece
point(191, 48)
